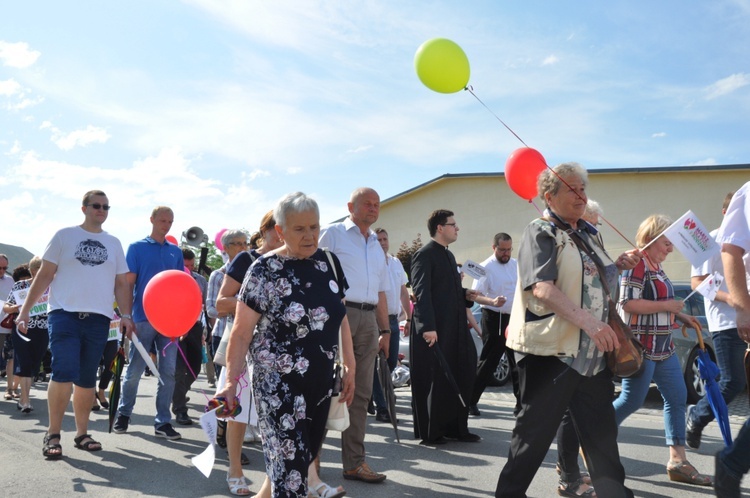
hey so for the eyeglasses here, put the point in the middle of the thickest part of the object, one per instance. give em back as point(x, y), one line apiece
point(98, 206)
point(3, 267)
point(237, 243)
point(505, 250)
point(449, 224)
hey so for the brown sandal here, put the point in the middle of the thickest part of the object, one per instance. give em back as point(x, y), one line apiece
point(685, 472)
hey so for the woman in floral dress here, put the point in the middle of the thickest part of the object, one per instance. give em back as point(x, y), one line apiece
point(294, 297)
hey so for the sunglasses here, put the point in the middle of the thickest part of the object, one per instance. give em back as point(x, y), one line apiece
point(99, 206)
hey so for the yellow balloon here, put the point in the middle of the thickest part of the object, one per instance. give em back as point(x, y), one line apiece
point(442, 65)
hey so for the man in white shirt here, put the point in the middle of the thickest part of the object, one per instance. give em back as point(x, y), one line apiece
point(734, 234)
point(364, 266)
point(496, 289)
point(730, 349)
point(85, 270)
point(397, 299)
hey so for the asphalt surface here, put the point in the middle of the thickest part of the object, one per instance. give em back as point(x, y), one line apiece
point(139, 464)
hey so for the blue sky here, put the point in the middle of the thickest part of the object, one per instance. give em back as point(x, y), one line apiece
point(218, 108)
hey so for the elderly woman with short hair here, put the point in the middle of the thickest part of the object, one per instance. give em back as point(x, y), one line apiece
point(559, 333)
point(294, 295)
point(647, 303)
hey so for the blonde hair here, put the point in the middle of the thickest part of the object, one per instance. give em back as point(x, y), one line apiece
point(35, 263)
point(651, 228)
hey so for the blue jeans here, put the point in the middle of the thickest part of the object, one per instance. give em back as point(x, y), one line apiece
point(736, 458)
point(668, 377)
point(167, 359)
point(730, 356)
point(377, 393)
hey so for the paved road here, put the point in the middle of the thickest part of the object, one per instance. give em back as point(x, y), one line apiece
point(138, 464)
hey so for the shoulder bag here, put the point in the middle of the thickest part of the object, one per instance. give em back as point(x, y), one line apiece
point(338, 413)
point(627, 359)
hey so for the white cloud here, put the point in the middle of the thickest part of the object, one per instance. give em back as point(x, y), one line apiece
point(17, 95)
point(17, 54)
point(550, 60)
point(727, 85)
point(660, 134)
point(295, 170)
point(9, 87)
point(81, 138)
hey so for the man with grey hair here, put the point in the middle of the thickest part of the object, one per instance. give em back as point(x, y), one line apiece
point(365, 268)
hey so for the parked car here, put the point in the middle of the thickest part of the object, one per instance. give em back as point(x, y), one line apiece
point(502, 374)
point(686, 347)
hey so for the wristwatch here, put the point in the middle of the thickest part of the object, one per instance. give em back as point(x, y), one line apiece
point(127, 315)
point(385, 331)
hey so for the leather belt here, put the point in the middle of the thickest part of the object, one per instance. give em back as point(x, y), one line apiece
point(361, 306)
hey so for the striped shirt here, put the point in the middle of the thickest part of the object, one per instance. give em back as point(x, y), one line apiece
point(653, 330)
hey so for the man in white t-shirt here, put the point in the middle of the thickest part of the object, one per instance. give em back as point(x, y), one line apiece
point(496, 289)
point(85, 270)
point(730, 349)
point(734, 235)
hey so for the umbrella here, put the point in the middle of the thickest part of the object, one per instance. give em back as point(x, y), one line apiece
point(114, 393)
point(447, 371)
point(708, 373)
point(384, 376)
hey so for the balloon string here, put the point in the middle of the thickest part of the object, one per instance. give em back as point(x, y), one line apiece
point(470, 89)
point(531, 201)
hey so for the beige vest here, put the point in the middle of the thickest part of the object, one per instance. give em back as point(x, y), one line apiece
point(533, 327)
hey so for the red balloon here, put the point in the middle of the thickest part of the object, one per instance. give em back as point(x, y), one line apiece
point(522, 170)
point(170, 238)
point(172, 302)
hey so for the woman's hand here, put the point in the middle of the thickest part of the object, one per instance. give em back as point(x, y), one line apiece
point(347, 386)
point(690, 321)
point(603, 337)
point(628, 260)
point(673, 306)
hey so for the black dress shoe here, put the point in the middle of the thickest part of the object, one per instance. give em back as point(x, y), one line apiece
point(383, 417)
point(470, 438)
point(183, 419)
point(473, 410)
point(371, 408)
point(434, 442)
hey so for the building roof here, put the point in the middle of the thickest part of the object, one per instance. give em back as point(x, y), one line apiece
point(602, 171)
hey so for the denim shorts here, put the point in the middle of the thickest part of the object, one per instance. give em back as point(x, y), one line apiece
point(77, 342)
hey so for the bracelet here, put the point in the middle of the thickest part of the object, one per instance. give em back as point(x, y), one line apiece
point(408, 319)
point(385, 331)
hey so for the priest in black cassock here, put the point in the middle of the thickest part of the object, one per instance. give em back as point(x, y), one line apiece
point(440, 323)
